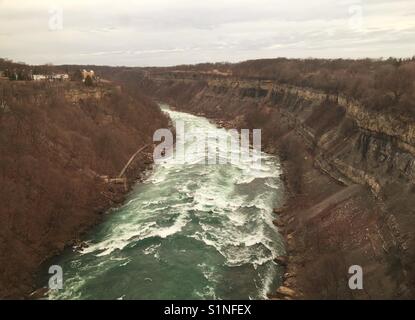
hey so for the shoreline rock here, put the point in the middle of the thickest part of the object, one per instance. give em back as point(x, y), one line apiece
point(278, 211)
point(286, 292)
point(281, 261)
point(278, 223)
point(40, 293)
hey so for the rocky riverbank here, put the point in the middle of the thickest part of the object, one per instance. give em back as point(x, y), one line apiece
point(112, 196)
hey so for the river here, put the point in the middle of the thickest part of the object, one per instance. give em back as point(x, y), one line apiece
point(188, 231)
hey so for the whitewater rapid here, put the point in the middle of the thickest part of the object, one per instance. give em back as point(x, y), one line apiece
point(188, 231)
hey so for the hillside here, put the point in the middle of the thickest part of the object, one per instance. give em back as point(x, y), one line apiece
point(57, 140)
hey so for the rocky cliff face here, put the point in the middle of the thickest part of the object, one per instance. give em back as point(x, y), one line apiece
point(56, 143)
point(350, 172)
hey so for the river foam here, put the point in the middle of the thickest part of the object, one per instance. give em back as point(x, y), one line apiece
point(205, 230)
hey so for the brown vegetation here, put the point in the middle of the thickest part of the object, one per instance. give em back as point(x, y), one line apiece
point(56, 139)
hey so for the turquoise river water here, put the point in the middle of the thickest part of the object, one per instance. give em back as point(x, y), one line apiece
point(188, 231)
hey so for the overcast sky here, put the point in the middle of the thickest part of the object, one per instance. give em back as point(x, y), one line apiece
point(170, 32)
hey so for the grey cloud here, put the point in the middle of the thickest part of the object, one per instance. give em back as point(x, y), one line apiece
point(162, 32)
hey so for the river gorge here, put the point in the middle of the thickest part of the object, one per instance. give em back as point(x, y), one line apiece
point(188, 231)
point(80, 190)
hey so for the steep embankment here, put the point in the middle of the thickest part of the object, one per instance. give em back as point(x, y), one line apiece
point(56, 141)
point(350, 173)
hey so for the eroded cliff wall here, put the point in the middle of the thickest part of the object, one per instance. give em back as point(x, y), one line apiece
point(350, 173)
